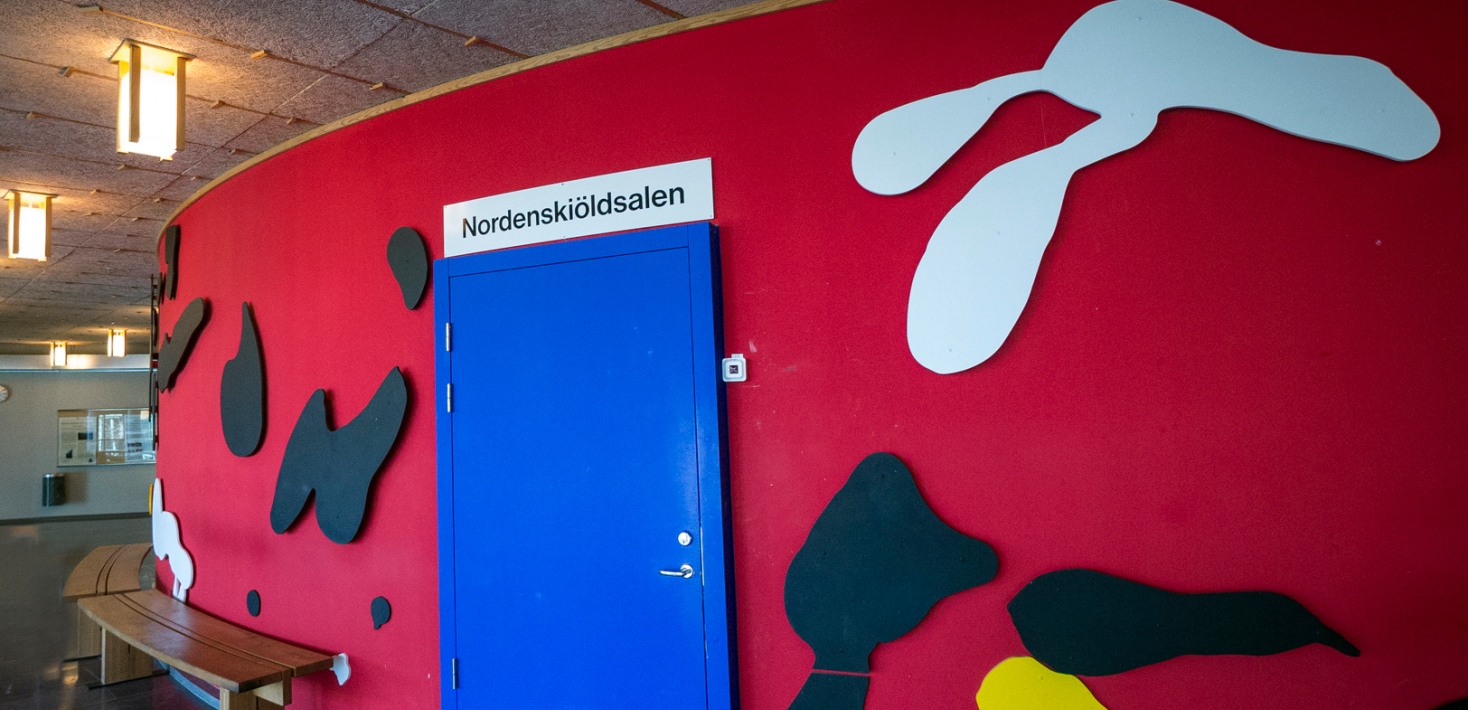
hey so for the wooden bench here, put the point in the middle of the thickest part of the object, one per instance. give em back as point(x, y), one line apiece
point(110, 569)
point(253, 672)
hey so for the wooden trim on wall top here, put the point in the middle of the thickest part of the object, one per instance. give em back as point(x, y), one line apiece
point(560, 55)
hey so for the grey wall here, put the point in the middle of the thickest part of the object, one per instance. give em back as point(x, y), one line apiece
point(28, 443)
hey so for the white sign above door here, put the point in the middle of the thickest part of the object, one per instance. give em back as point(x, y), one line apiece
point(634, 199)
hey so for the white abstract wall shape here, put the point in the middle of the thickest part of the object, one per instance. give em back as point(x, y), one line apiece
point(1127, 61)
point(342, 668)
point(168, 546)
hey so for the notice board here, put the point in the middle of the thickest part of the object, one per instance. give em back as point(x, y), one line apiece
point(104, 437)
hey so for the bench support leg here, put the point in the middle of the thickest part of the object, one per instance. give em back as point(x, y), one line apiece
point(88, 636)
point(274, 696)
point(122, 662)
point(244, 701)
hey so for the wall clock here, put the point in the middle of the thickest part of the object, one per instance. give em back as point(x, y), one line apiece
point(4, 392)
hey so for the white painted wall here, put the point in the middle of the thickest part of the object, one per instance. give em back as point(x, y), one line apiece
point(28, 443)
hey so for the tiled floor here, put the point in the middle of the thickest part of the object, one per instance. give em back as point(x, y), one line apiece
point(36, 627)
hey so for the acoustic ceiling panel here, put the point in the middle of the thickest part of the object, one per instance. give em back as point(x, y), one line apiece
point(689, 8)
point(266, 132)
point(413, 57)
point(38, 87)
point(212, 165)
point(540, 27)
point(290, 28)
point(332, 97)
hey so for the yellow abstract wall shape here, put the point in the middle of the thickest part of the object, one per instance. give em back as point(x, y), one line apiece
point(1023, 683)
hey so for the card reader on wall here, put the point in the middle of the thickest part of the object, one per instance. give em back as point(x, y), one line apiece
point(735, 369)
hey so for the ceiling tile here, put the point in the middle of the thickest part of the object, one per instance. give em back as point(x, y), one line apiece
point(9, 286)
point(180, 189)
point(31, 87)
point(408, 6)
point(333, 97)
point(690, 8)
point(108, 279)
point(66, 139)
point(25, 268)
point(77, 175)
point(213, 165)
point(213, 127)
point(120, 262)
point(229, 75)
point(58, 252)
point(126, 226)
point(264, 134)
point(56, 33)
point(156, 208)
point(69, 238)
point(127, 261)
point(318, 32)
point(62, 293)
point(538, 27)
point(32, 309)
point(414, 57)
point(102, 205)
point(72, 220)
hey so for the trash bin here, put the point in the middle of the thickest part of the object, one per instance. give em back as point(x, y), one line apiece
point(53, 489)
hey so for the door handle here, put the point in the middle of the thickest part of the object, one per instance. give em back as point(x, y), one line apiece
point(686, 572)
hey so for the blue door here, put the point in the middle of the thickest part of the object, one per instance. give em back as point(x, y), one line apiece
point(582, 541)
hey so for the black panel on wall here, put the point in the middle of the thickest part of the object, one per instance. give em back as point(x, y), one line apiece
point(831, 691)
point(242, 391)
point(408, 258)
point(174, 351)
point(1083, 622)
point(877, 559)
point(170, 257)
point(338, 465)
point(381, 612)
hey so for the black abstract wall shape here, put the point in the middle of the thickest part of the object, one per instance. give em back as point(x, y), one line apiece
point(338, 465)
point(170, 257)
point(242, 391)
point(174, 351)
point(408, 258)
point(252, 603)
point(1456, 705)
point(831, 691)
point(381, 612)
point(1083, 622)
point(876, 560)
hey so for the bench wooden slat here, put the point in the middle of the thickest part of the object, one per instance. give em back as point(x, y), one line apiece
point(226, 670)
point(122, 575)
point(202, 626)
point(86, 578)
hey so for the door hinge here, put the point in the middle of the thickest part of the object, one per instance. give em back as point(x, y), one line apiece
point(449, 396)
point(454, 673)
point(448, 337)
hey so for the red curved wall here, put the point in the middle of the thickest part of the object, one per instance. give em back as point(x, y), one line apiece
point(1242, 366)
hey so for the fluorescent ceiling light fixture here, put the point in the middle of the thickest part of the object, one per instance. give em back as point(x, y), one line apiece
point(58, 354)
point(116, 342)
point(150, 99)
point(29, 220)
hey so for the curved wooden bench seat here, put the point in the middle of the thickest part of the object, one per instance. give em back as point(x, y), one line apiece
point(251, 670)
point(110, 569)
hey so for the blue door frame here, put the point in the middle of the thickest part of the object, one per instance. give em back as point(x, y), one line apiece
point(700, 243)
